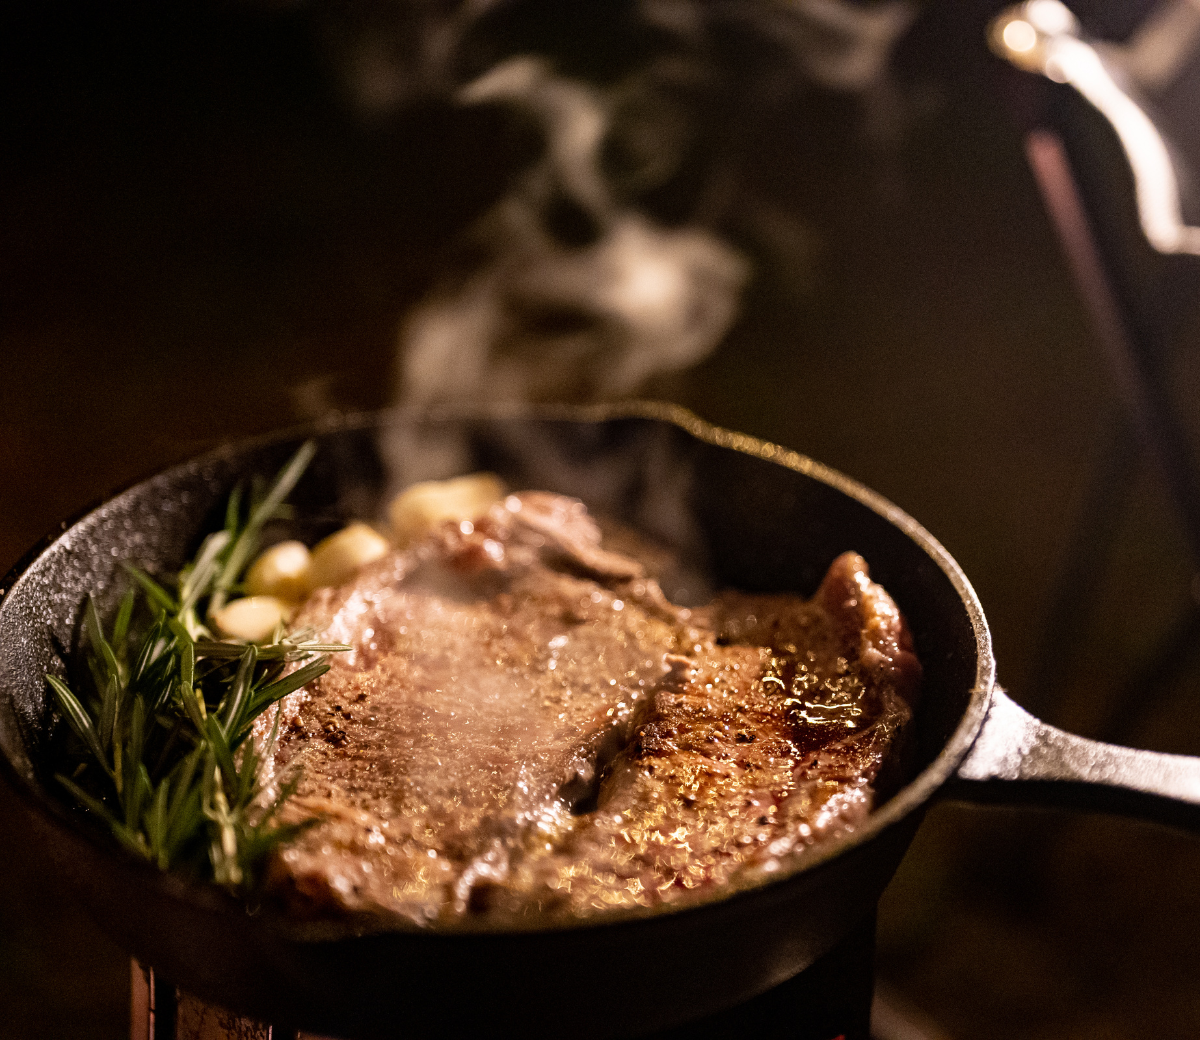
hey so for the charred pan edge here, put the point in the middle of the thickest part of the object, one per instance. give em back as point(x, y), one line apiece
point(912, 798)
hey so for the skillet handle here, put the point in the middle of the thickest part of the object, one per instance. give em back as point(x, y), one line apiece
point(1017, 759)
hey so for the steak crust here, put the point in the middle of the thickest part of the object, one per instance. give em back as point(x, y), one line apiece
point(527, 730)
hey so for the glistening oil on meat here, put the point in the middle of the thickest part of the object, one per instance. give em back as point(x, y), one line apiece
point(528, 730)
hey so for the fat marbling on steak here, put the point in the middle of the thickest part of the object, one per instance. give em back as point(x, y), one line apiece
point(526, 729)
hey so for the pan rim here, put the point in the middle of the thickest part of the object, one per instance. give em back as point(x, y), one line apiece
point(913, 797)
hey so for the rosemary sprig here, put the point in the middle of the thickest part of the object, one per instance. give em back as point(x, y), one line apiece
point(163, 748)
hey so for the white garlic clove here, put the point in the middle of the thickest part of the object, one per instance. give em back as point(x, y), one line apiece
point(281, 571)
point(252, 619)
point(336, 559)
point(421, 507)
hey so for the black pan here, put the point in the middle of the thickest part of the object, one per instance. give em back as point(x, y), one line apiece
point(745, 514)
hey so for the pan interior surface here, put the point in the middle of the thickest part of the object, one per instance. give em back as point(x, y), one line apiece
point(742, 514)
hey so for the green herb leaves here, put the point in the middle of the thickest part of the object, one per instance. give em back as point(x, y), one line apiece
point(164, 748)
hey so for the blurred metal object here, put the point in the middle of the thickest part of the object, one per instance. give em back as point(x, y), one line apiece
point(1132, 295)
point(1157, 52)
point(1043, 36)
point(1147, 406)
point(1145, 399)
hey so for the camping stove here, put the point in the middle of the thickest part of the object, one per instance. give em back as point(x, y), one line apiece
point(830, 1000)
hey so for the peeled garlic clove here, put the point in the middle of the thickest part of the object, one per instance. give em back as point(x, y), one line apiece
point(337, 558)
point(281, 571)
point(418, 509)
point(252, 619)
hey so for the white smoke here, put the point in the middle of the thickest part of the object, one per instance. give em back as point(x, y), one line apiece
point(544, 318)
point(576, 291)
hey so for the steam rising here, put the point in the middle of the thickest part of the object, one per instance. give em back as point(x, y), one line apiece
point(577, 291)
point(548, 318)
point(581, 284)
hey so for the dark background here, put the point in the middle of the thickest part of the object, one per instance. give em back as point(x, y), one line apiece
point(199, 239)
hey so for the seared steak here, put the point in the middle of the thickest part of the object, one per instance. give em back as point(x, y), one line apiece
point(526, 728)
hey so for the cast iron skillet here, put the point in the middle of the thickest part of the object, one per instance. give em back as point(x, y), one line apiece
point(749, 515)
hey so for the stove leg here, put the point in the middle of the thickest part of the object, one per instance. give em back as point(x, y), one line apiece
point(141, 1017)
point(160, 1011)
point(829, 1001)
point(152, 1005)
